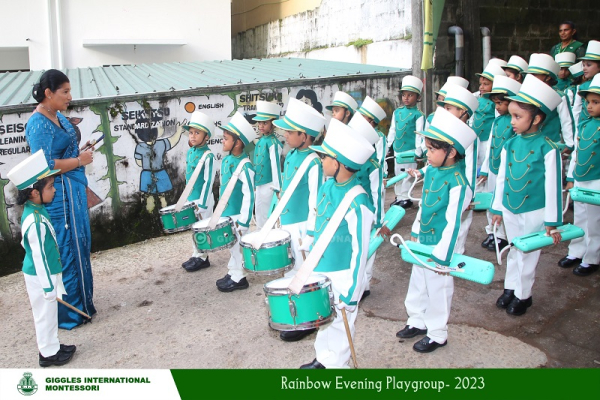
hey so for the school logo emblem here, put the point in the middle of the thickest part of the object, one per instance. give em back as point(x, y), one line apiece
point(27, 385)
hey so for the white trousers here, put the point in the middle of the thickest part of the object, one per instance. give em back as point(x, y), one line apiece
point(369, 271)
point(45, 316)
point(587, 217)
point(236, 270)
point(520, 267)
point(204, 214)
point(428, 302)
point(489, 229)
point(262, 202)
point(401, 188)
point(465, 224)
point(297, 231)
point(331, 345)
point(481, 150)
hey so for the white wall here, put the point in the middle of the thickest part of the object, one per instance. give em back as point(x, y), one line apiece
point(136, 26)
point(325, 33)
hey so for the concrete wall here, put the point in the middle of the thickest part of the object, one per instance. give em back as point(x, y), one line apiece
point(105, 32)
point(336, 30)
point(247, 14)
point(123, 213)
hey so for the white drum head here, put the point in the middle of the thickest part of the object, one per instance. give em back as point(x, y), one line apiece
point(275, 235)
point(283, 283)
point(204, 223)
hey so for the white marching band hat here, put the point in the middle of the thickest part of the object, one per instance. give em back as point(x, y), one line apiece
point(517, 63)
point(345, 145)
point(30, 170)
point(565, 59)
point(412, 84)
point(341, 99)
point(540, 63)
point(447, 128)
point(492, 70)
point(592, 52)
point(504, 85)
point(593, 88)
point(370, 108)
point(453, 80)
point(239, 126)
point(576, 70)
point(301, 117)
point(498, 61)
point(363, 128)
point(460, 97)
point(534, 91)
point(201, 121)
point(266, 111)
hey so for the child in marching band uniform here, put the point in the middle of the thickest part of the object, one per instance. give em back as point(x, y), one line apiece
point(576, 73)
point(515, 68)
point(42, 268)
point(441, 94)
point(527, 197)
point(343, 107)
point(302, 124)
point(267, 163)
point(374, 114)
point(343, 153)
point(591, 67)
point(237, 134)
point(501, 132)
point(446, 195)
point(564, 60)
point(583, 172)
point(406, 120)
point(486, 113)
point(200, 128)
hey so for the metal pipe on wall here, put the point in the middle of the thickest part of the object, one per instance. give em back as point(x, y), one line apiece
point(59, 40)
point(486, 41)
point(459, 44)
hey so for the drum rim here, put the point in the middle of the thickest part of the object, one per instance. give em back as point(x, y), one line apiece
point(284, 291)
point(175, 230)
point(267, 272)
point(163, 211)
point(265, 245)
point(219, 225)
point(303, 326)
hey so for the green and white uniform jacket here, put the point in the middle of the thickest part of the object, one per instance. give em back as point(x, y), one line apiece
point(529, 178)
point(446, 195)
point(267, 153)
point(580, 112)
point(380, 150)
point(345, 258)
point(501, 131)
point(302, 205)
point(560, 123)
point(402, 137)
point(203, 185)
point(484, 118)
point(585, 160)
point(42, 257)
point(241, 201)
point(370, 177)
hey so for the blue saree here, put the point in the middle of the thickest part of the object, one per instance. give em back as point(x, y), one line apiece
point(69, 215)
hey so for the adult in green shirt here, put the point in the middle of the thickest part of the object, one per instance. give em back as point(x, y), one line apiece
point(568, 40)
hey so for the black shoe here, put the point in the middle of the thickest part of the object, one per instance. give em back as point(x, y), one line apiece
point(518, 307)
point(505, 299)
point(396, 202)
point(313, 365)
point(188, 262)
point(60, 358)
point(567, 262)
point(409, 332)
point(68, 348)
point(405, 204)
point(585, 271)
point(487, 241)
point(197, 264)
point(223, 279)
point(501, 244)
point(294, 336)
point(427, 345)
point(229, 285)
point(365, 294)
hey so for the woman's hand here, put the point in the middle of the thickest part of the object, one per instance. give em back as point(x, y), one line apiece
point(86, 157)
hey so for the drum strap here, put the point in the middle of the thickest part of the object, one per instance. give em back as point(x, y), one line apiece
point(227, 194)
point(287, 195)
point(191, 182)
point(321, 245)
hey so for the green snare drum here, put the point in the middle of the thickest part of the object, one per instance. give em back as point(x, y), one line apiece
point(207, 240)
point(178, 221)
point(273, 256)
point(312, 308)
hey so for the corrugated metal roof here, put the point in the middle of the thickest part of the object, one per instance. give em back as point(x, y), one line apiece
point(137, 80)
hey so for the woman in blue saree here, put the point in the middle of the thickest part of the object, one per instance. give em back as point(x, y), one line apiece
point(48, 130)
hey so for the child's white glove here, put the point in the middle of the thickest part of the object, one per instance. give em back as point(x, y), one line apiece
point(50, 296)
point(307, 241)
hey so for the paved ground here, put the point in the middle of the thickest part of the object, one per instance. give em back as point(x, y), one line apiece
point(153, 314)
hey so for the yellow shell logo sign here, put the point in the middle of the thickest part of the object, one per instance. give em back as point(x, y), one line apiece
point(27, 385)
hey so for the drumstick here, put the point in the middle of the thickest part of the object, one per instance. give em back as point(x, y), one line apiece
point(303, 253)
point(64, 303)
point(349, 338)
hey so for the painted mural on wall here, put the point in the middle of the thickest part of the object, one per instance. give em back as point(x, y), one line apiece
point(141, 160)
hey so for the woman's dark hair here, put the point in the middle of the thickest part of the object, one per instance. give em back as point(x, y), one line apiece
point(52, 79)
point(25, 194)
point(572, 25)
point(312, 96)
point(532, 110)
point(438, 144)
